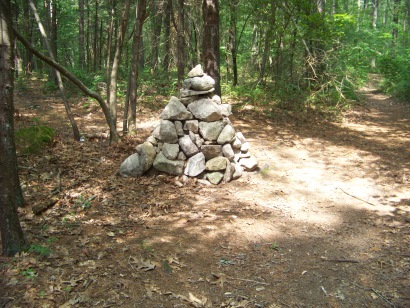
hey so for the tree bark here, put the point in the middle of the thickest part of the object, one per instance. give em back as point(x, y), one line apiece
point(81, 46)
point(180, 43)
point(114, 137)
point(232, 39)
point(76, 132)
point(130, 108)
point(28, 60)
point(210, 42)
point(112, 94)
point(12, 237)
point(158, 12)
point(167, 44)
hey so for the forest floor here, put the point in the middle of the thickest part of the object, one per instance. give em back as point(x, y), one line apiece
point(323, 222)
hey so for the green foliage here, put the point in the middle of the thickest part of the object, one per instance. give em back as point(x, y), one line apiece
point(43, 251)
point(29, 273)
point(31, 140)
point(395, 68)
point(84, 203)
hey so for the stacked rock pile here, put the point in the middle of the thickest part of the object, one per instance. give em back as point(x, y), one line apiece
point(194, 138)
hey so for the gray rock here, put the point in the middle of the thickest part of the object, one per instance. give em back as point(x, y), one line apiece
point(175, 110)
point(226, 110)
point(163, 164)
point(136, 164)
point(216, 164)
point(228, 152)
point(186, 93)
point(192, 136)
point(181, 156)
point(196, 71)
point(151, 139)
point(238, 171)
point(216, 99)
point(215, 177)
point(211, 130)
point(203, 83)
point(187, 100)
point(241, 137)
point(249, 164)
point(167, 132)
point(199, 141)
point(191, 125)
point(170, 150)
point(187, 146)
point(230, 169)
point(211, 151)
point(195, 165)
point(178, 128)
point(227, 134)
point(245, 147)
point(205, 109)
point(236, 143)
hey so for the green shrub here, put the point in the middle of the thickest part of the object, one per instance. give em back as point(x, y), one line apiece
point(31, 140)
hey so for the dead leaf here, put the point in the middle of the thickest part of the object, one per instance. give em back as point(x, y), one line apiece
point(145, 265)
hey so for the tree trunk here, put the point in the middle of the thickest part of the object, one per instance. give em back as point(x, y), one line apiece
point(210, 43)
point(76, 132)
point(395, 31)
point(81, 47)
point(95, 41)
point(232, 39)
point(180, 43)
point(114, 137)
point(110, 32)
point(28, 59)
point(12, 237)
point(112, 101)
point(167, 26)
point(130, 108)
point(268, 40)
point(158, 11)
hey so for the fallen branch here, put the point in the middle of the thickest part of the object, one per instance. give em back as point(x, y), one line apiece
point(38, 209)
point(358, 198)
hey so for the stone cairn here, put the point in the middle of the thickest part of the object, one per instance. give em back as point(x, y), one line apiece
point(194, 138)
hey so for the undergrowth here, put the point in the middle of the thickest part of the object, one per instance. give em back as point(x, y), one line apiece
point(32, 139)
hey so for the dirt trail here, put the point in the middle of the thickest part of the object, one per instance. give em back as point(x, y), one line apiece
point(324, 222)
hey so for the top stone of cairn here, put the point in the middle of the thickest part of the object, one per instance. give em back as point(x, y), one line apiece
point(196, 72)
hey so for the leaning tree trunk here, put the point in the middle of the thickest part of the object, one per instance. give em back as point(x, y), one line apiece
point(12, 237)
point(76, 132)
point(114, 137)
point(210, 43)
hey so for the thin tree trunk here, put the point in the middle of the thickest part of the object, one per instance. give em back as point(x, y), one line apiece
point(81, 47)
point(112, 102)
point(28, 63)
point(268, 40)
point(110, 31)
point(232, 40)
point(130, 108)
point(95, 41)
point(114, 137)
point(76, 132)
point(180, 43)
point(167, 44)
point(210, 43)
point(12, 237)
point(156, 33)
